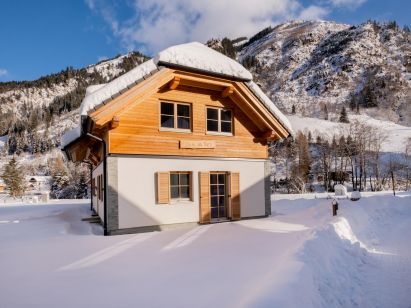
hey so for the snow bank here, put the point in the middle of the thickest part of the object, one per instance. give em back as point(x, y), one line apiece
point(270, 106)
point(299, 257)
point(397, 135)
point(197, 56)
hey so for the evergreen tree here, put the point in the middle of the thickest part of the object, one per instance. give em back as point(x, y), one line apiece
point(293, 109)
point(325, 112)
point(60, 179)
point(81, 187)
point(228, 48)
point(304, 157)
point(344, 116)
point(310, 137)
point(13, 177)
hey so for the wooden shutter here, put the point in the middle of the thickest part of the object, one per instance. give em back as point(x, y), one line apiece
point(163, 187)
point(235, 208)
point(205, 210)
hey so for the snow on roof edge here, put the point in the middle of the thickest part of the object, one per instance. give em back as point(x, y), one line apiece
point(255, 89)
point(93, 88)
point(116, 85)
point(69, 136)
point(197, 56)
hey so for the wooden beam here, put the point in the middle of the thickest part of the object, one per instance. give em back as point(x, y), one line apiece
point(94, 160)
point(174, 83)
point(115, 122)
point(267, 134)
point(275, 125)
point(227, 91)
point(136, 94)
point(202, 82)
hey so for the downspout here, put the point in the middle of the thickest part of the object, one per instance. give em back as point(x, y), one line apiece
point(105, 178)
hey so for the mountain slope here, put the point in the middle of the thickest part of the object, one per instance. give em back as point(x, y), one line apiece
point(324, 65)
point(315, 66)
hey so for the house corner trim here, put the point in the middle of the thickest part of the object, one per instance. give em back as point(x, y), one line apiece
point(112, 193)
point(267, 187)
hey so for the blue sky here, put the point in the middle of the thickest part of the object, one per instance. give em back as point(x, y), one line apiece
point(44, 36)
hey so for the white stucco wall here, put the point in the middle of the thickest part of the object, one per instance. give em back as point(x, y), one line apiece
point(137, 189)
point(98, 205)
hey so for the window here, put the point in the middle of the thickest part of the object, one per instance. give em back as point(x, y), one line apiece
point(94, 188)
point(219, 120)
point(100, 187)
point(180, 183)
point(175, 116)
point(218, 195)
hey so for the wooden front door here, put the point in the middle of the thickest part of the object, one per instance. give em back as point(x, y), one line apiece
point(219, 196)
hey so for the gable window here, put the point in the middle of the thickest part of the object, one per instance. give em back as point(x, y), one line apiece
point(219, 120)
point(175, 116)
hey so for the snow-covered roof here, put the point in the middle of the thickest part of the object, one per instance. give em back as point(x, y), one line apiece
point(70, 135)
point(270, 106)
point(202, 58)
point(108, 90)
point(191, 56)
point(94, 88)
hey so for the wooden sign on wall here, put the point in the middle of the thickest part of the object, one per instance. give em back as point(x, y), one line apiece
point(197, 144)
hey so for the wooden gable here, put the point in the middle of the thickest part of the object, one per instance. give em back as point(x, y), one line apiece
point(130, 123)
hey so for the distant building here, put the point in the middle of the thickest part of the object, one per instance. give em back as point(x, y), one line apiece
point(35, 183)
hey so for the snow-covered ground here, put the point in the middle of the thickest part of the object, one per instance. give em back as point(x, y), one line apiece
point(301, 256)
point(397, 135)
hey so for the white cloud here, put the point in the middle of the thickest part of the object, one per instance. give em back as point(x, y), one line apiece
point(3, 72)
point(91, 4)
point(350, 4)
point(160, 23)
point(313, 12)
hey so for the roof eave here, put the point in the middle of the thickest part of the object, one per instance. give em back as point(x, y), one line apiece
point(290, 131)
point(200, 71)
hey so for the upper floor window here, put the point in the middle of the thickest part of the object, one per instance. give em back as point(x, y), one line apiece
point(175, 116)
point(219, 120)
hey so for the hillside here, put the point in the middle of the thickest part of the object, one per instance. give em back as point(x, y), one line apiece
point(34, 114)
point(324, 65)
point(310, 69)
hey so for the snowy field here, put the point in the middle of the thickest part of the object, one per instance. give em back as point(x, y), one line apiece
point(299, 257)
point(397, 135)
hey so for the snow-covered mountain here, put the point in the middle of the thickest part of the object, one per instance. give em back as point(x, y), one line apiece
point(317, 65)
point(34, 114)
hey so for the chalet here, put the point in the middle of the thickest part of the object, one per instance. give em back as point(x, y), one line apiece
point(180, 139)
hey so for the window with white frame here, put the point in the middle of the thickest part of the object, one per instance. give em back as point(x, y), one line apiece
point(180, 185)
point(175, 116)
point(219, 120)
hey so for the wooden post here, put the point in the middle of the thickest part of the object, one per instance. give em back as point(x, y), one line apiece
point(335, 207)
